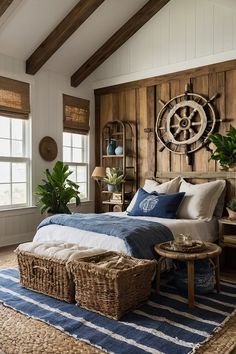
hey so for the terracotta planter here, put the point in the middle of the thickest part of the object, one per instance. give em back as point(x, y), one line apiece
point(232, 214)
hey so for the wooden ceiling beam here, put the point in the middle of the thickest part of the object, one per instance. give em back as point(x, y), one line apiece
point(117, 40)
point(4, 4)
point(75, 18)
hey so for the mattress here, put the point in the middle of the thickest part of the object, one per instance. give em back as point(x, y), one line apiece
point(198, 229)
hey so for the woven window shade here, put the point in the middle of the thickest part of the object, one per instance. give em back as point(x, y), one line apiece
point(75, 115)
point(14, 98)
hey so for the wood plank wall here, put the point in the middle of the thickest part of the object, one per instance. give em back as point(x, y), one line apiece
point(139, 102)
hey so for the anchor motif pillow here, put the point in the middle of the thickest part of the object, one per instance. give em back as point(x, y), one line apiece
point(154, 204)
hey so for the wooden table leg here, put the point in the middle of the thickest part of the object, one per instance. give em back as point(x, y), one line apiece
point(190, 265)
point(217, 273)
point(158, 275)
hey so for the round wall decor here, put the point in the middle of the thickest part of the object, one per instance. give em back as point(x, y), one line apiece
point(185, 122)
point(48, 148)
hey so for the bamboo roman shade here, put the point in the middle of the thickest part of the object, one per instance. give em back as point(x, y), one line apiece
point(75, 115)
point(14, 98)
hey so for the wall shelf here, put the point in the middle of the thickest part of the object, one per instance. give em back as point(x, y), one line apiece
point(124, 133)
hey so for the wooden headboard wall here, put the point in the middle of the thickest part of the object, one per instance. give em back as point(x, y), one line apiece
point(139, 102)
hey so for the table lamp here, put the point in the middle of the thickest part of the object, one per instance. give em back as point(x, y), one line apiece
point(98, 173)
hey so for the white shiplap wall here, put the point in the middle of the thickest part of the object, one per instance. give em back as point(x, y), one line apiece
point(184, 34)
point(46, 119)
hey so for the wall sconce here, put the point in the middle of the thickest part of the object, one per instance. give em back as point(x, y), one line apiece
point(99, 173)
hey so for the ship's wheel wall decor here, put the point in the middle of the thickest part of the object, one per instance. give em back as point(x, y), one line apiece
point(185, 123)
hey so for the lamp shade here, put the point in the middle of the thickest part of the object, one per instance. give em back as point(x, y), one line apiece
point(99, 172)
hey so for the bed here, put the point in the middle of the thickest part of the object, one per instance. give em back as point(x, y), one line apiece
point(174, 207)
point(198, 229)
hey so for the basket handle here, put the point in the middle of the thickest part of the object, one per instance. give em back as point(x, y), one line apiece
point(42, 268)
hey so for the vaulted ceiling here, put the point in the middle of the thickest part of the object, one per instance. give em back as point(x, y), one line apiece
point(65, 36)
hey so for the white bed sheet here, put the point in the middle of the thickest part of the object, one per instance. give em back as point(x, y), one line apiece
point(198, 229)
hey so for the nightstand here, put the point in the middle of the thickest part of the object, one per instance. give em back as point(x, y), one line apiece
point(227, 232)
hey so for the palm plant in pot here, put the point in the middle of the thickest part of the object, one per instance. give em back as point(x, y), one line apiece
point(231, 208)
point(57, 190)
point(225, 151)
point(114, 179)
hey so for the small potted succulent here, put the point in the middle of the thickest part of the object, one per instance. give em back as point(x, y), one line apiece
point(57, 191)
point(225, 151)
point(231, 208)
point(114, 179)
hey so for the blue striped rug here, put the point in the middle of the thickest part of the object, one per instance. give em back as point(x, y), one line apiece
point(163, 325)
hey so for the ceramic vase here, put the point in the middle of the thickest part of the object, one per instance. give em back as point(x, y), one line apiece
point(111, 147)
point(119, 150)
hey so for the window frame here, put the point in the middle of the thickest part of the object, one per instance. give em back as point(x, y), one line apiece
point(17, 159)
point(85, 157)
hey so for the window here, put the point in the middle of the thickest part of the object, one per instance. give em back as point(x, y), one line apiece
point(14, 162)
point(75, 154)
point(14, 143)
point(75, 140)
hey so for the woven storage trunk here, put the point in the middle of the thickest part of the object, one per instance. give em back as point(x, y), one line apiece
point(110, 291)
point(45, 275)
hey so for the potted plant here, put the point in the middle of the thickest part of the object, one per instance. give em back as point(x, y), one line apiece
point(114, 179)
point(231, 208)
point(225, 151)
point(57, 190)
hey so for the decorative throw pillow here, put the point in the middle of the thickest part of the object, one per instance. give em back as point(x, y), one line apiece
point(200, 199)
point(153, 186)
point(152, 204)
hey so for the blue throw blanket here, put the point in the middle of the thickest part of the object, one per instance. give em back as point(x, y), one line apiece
point(140, 236)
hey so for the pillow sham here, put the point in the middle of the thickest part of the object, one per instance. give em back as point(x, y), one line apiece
point(166, 187)
point(153, 186)
point(200, 199)
point(159, 205)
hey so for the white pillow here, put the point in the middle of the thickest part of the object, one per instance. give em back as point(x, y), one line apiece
point(153, 186)
point(166, 187)
point(200, 199)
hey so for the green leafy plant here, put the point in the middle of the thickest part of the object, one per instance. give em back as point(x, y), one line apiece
point(232, 204)
point(225, 151)
point(57, 190)
point(114, 176)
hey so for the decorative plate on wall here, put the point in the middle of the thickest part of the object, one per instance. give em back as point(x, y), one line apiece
point(48, 148)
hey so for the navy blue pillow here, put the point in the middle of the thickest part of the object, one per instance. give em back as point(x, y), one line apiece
point(154, 204)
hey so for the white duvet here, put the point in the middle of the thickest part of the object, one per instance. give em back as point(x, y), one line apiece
point(198, 229)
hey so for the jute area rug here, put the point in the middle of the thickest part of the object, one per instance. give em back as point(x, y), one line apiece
point(20, 334)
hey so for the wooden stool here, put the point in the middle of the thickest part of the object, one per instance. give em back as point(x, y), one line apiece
point(212, 251)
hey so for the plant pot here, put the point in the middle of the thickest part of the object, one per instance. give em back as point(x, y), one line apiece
point(232, 167)
point(232, 214)
point(111, 188)
point(48, 214)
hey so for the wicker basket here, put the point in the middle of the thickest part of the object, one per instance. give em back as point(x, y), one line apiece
point(110, 291)
point(46, 275)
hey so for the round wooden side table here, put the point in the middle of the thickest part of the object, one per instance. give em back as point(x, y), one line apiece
point(212, 251)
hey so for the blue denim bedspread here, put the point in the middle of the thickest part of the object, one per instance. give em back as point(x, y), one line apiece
point(139, 236)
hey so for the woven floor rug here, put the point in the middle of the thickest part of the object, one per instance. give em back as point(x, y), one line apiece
point(164, 325)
